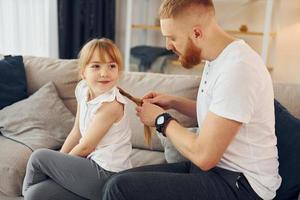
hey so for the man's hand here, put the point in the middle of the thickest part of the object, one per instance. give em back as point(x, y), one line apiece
point(148, 113)
point(162, 100)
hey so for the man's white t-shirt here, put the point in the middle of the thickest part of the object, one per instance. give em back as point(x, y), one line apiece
point(237, 86)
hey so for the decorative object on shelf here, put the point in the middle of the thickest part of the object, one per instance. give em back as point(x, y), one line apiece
point(244, 28)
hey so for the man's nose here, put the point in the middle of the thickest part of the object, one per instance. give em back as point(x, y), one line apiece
point(168, 44)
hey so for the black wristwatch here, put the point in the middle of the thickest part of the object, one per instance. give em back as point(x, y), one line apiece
point(162, 121)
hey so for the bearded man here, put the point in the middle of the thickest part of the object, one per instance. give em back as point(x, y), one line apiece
point(234, 155)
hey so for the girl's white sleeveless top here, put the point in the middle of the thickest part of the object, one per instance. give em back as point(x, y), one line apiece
point(113, 151)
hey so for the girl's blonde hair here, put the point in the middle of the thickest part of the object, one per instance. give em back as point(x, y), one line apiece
point(106, 47)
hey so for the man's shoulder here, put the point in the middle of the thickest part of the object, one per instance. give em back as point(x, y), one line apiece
point(244, 61)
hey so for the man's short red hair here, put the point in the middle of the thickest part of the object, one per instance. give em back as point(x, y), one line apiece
point(173, 8)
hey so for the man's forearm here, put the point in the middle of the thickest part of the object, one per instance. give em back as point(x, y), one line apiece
point(188, 145)
point(206, 148)
point(185, 106)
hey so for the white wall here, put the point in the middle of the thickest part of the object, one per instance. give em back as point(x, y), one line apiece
point(284, 52)
point(287, 68)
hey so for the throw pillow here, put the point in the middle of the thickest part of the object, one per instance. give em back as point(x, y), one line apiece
point(287, 129)
point(13, 86)
point(40, 121)
point(172, 155)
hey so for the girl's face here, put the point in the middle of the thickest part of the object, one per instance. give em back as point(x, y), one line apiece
point(101, 76)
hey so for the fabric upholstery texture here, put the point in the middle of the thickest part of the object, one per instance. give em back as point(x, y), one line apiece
point(13, 160)
point(141, 157)
point(287, 129)
point(63, 73)
point(172, 155)
point(289, 96)
point(138, 84)
point(13, 85)
point(40, 121)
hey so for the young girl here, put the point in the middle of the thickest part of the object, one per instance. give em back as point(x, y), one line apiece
point(99, 143)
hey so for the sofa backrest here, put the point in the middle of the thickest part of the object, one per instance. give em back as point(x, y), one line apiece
point(138, 84)
point(64, 74)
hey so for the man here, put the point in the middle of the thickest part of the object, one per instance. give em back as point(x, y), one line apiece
point(234, 156)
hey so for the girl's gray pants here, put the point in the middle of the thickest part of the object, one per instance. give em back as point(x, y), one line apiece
point(58, 176)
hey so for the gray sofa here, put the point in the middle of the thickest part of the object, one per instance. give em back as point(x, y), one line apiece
point(39, 71)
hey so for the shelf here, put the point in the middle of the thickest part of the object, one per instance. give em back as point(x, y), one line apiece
point(233, 32)
point(177, 62)
point(147, 27)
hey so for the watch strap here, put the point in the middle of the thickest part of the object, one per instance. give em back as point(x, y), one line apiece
point(162, 127)
point(163, 132)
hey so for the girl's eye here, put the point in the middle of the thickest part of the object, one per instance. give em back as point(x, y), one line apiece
point(95, 66)
point(112, 65)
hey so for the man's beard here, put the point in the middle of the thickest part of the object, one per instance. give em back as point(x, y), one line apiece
point(192, 55)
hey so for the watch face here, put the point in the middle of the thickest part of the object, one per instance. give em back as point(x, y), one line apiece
point(160, 120)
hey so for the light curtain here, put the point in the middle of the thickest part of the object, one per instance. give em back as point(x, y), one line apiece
point(29, 27)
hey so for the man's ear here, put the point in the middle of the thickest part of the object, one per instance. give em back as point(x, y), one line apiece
point(197, 32)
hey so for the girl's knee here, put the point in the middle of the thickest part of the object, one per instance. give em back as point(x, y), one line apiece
point(33, 193)
point(38, 155)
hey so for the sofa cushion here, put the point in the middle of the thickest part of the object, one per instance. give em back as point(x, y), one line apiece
point(64, 74)
point(13, 86)
point(138, 84)
point(288, 141)
point(40, 121)
point(14, 157)
point(289, 95)
point(172, 155)
point(141, 157)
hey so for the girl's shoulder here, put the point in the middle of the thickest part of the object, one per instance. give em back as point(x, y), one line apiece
point(113, 95)
point(112, 100)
